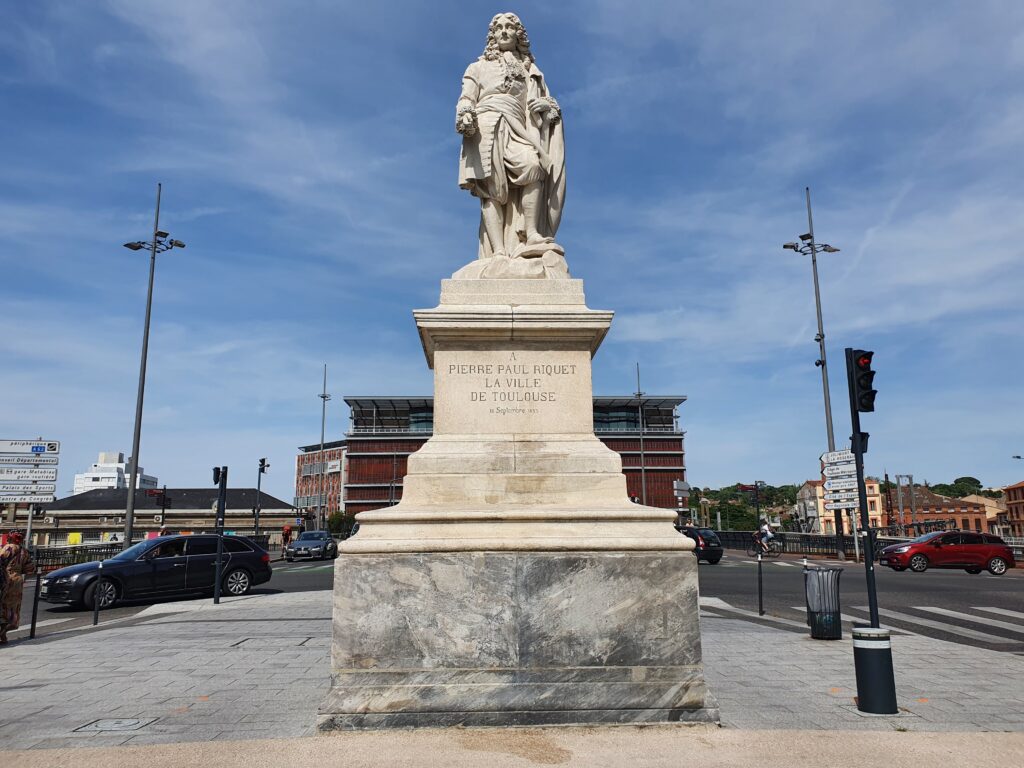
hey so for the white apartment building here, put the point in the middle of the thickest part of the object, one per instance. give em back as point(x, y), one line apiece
point(111, 471)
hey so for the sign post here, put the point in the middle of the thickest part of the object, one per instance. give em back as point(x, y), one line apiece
point(28, 471)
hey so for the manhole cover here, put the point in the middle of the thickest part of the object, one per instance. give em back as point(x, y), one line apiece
point(116, 724)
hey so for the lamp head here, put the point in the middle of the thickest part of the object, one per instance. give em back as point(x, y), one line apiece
point(790, 246)
point(805, 237)
point(134, 246)
point(161, 234)
point(829, 249)
point(177, 244)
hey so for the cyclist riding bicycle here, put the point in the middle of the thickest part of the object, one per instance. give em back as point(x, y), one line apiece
point(765, 534)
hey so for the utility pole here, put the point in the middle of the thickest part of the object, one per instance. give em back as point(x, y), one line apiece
point(220, 477)
point(263, 467)
point(808, 246)
point(159, 244)
point(640, 415)
point(324, 397)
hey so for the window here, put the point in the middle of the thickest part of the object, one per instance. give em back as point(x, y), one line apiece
point(175, 548)
point(966, 523)
point(971, 538)
point(235, 545)
point(202, 545)
point(872, 507)
point(950, 538)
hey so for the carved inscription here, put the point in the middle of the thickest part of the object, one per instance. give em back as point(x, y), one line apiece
point(513, 386)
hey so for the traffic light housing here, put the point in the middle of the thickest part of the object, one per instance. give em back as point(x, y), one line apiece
point(264, 466)
point(863, 376)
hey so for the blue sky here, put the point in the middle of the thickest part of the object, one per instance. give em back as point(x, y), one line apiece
point(308, 158)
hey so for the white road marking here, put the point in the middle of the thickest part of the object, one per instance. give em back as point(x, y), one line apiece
point(942, 626)
point(1015, 628)
point(1001, 611)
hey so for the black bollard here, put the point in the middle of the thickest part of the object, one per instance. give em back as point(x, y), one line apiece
point(760, 588)
point(35, 608)
point(96, 597)
point(872, 659)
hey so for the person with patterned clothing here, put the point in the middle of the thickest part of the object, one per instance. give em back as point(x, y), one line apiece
point(15, 565)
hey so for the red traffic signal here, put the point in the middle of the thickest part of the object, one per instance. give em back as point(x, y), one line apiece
point(863, 378)
point(154, 492)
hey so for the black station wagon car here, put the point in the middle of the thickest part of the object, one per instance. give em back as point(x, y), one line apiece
point(167, 566)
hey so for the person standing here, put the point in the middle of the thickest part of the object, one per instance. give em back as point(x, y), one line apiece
point(15, 565)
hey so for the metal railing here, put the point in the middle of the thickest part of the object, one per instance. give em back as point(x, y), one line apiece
point(804, 543)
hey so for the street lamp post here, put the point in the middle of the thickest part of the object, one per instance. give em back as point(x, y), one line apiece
point(808, 247)
point(640, 414)
point(159, 244)
point(324, 397)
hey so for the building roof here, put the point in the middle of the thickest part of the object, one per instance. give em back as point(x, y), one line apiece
point(181, 498)
point(327, 446)
point(1015, 485)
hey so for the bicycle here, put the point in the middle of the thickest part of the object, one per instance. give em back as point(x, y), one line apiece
point(774, 548)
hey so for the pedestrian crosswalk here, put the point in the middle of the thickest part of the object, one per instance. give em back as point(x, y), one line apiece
point(989, 626)
point(290, 568)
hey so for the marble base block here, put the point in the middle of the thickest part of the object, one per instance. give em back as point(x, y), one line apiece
point(515, 638)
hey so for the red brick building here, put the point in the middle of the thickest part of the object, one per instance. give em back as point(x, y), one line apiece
point(384, 431)
point(1014, 495)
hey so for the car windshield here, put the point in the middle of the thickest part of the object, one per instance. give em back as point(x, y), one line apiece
point(927, 537)
point(707, 533)
point(316, 535)
point(133, 552)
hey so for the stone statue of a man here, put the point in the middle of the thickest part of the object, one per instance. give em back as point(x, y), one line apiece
point(513, 152)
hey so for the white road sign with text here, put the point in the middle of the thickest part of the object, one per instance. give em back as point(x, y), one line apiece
point(36, 458)
point(839, 470)
point(837, 457)
point(840, 505)
point(48, 488)
point(30, 446)
point(840, 484)
point(26, 473)
point(10, 498)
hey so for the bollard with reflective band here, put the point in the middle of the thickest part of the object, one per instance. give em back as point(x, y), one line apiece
point(872, 659)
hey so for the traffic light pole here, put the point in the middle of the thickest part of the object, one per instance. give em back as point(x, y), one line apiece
point(858, 447)
point(220, 476)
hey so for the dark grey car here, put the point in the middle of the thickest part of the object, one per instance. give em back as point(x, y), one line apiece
point(312, 545)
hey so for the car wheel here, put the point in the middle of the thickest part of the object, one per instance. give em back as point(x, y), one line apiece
point(919, 563)
point(107, 595)
point(997, 566)
point(973, 570)
point(237, 582)
point(713, 560)
point(289, 559)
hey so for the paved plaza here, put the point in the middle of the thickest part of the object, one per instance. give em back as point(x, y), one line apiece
point(257, 668)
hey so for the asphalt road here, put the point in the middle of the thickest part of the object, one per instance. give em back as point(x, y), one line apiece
point(980, 610)
point(55, 619)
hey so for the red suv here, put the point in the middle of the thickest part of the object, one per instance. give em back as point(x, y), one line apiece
point(950, 549)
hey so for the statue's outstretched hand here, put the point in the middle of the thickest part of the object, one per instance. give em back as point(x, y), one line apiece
point(540, 104)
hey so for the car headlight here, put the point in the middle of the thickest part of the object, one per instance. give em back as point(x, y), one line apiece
point(900, 550)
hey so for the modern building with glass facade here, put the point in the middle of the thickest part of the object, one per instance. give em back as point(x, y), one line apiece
point(370, 463)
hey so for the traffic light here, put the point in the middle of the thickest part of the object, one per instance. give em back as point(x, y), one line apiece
point(264, 466)
point(863, 376)
point(216, 475)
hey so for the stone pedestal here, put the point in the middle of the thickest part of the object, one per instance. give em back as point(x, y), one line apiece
point(515, 638)
point(515, 583)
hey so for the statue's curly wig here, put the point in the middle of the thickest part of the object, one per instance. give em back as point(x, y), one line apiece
point(491, 51)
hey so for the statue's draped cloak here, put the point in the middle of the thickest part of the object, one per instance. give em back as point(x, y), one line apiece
point(505, 132)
